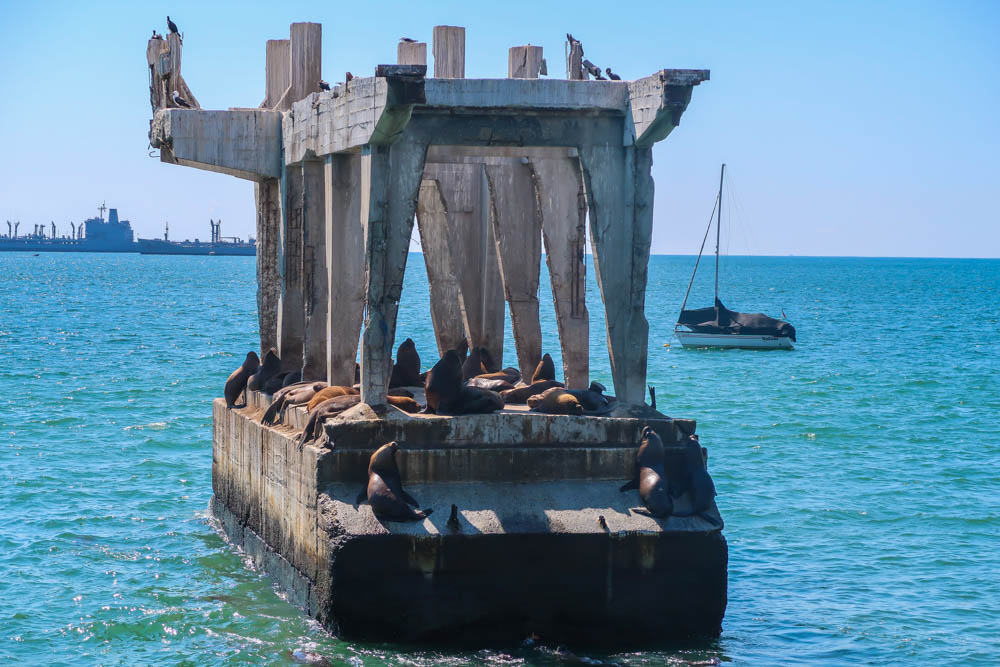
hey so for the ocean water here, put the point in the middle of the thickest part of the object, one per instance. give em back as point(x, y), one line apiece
point(859, 475)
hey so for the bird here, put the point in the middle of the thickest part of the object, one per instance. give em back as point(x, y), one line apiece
point(348, 77)
point(408, 40)
point(572, 40)
point(602, 522)
point(593, 70)
point(612, 75)
point(180, 101)
point(323, 85)
point(172, 26)
point(156, 36)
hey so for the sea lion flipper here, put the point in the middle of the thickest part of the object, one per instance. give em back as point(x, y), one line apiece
point(643, 511)
point(629, 485)
point(408, 498)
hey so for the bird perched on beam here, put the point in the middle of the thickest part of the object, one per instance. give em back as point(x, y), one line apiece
point(612, 75)
point(593, 70)
point(156, 35)
point(408, 40)
point(348, 77)
point(573, 40)
point(172, 26)
point(323, 85)
point(180, 101)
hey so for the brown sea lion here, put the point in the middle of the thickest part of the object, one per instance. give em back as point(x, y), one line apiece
point(520, 395)
point(385, 488)
point(331, 407)
point(555, 401)
point(297, 394)
point(269, 367)
point(473, 365)
point(462, 350)
point(444, 381)
point(471, 401)
point(329, 392)
point(276, 382)
point(493, 384)
point(400, 391)
point(293, 377)
point(510, 378)
point(649, 477)
point(237, 380)
point(591, 399)
point(489, 364)
point(406, 371)
point(696, 481)
point(545, 370)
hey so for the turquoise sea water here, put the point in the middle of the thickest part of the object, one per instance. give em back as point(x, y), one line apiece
point(859, 475)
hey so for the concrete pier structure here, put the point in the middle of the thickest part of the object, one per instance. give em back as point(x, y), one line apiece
point(491, 171)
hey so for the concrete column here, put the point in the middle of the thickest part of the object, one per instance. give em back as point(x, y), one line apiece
point(291, 315)
point(390, 184)
point(267, 194)
point(315, 289)
point(620, 200)
point(562, 205)
point(307, 58)
point(278, 70)
point(345, 264)
point(446, 307)
point(517, 230)
point(524, 62)
point(449, 52)
point(411, 53)
point(574, 61)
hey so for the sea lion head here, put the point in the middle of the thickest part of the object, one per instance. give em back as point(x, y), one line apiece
point(597, 387)
point(545, 370)
point(252, 362)
point(384, 460)
point(473, 365)
point(271, 359)
point(651, 452)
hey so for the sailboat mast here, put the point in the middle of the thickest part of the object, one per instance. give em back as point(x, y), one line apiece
point(718, 229)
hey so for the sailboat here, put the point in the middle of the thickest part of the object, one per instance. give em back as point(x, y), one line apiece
point(717, 326)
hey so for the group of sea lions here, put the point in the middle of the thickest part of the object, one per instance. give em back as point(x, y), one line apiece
point(660, 484)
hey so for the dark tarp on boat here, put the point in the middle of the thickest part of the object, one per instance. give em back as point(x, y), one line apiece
point(721, 320)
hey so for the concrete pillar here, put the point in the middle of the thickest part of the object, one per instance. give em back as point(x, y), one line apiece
point(446, 307)
point(307, 58)
point(524, 62)
point(278, 69)
point(411, 53)
point(574, 61)
point(390, 185)
point(562, 205)
point(345, 264)
point(291, 314)
point(449, 52)
point(517, 231)
point(620, 201)
point(315, 289)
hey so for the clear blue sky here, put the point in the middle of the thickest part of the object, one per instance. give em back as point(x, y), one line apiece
point(851, 128)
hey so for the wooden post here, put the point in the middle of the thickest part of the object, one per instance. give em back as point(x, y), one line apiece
point(411, 53)
point(524, 62)
point(345, 264)
point(449, 52)
point(563, 207)
point(315, 290)
point(390, 184)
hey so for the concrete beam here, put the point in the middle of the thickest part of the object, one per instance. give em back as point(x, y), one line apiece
point(315, 279)
point(449, 52)
point(657, 102)
point(245, 143)
point(345, 263)
point(390, 185)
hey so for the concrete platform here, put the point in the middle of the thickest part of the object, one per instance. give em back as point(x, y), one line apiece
point(530, 556)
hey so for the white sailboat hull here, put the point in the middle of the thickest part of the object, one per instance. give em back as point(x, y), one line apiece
point(694, 339)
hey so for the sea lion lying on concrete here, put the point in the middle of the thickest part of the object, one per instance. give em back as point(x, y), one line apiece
point(237, 381)
point(471, 401)
point(520, 395)
point(406, 370)
point(555, 401)
point(331, 407)
point(293, 377)
point(269, 367)
point(592, 399)
point(493, 384)
point(694, 479)
point(545, 370)
point(649, 477)
point(276, 382)
point(444, 381)
point(296, 394)
point(330, 392)
point(385, 488)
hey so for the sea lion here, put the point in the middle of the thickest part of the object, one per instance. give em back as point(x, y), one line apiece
point(486, 358)
point(696, 481)
point(275, 383)
point(297, 394)
point(520, 395)
point(545, 370)
point(400, 391)
point(555, 401)
point(444, 381)
point(329, 392)
point(473, 365)
point(406, 371)
point(237, 381)
point(649, 478)
point(385, 488)
point(471, 401)
point(505, 375)
point(293, 377)
point(592, 399)
point(462, 350)
point(331, 407)
point(269, 367)
point(493, 384)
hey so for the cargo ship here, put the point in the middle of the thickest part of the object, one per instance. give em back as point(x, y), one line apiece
point(92, 235)
point(219, 245)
